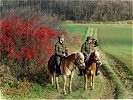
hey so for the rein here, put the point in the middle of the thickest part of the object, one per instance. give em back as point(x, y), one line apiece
point(90, 60)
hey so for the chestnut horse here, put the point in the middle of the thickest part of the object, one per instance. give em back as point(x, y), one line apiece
point(90, 68)
point(68, 67)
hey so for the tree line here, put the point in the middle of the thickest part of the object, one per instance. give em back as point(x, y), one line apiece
point(77, 10)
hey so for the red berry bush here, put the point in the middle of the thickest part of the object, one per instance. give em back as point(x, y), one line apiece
point(26, 41)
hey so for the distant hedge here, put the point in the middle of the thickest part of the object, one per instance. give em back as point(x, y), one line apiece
point(77, 10)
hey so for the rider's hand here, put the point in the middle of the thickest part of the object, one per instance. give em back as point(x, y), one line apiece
point(87, 55)
point(64, 54)
point(66, 48)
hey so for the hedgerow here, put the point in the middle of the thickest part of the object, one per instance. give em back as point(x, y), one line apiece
point(25, 42)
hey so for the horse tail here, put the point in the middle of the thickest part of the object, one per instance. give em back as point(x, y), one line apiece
point(49, 63)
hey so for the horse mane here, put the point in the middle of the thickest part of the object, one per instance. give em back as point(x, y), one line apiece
point(69, 56)
point(89, 61)
point(73, 54)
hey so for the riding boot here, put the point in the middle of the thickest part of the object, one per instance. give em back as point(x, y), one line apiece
point(97, 70)
point(58, 71)
point(58, 63)
point(80, 72)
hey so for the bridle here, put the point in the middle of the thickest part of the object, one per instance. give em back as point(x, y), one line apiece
point(75, 62)
point(96, 60)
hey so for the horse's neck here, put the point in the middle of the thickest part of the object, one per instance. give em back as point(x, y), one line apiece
point(89, 61)
point(88, 57)
point(71, 57)
point(70, 60)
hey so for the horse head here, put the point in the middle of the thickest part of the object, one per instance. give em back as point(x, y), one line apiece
point(79, 60)
point(97, 57)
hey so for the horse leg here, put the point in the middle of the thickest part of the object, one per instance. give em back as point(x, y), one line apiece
point(64, 87)
point(92, 82)
point(85, 83)
point(70, 81)
point(52, 78)
point(57, 84)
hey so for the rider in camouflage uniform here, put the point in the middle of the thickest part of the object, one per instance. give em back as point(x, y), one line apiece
point(60, 52)
point(86, 48)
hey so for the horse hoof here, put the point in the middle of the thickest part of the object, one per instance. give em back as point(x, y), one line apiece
point(92, 88)
point(64, 93)
point(70, 91)
point(85, 88)
point(57, 89)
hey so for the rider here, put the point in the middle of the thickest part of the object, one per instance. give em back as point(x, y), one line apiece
point(86, 48)
point(60, 52)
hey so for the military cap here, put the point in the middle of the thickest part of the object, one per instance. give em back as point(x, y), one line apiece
point(88, 38)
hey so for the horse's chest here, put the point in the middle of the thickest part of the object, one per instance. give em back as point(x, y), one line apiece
point(71, 66)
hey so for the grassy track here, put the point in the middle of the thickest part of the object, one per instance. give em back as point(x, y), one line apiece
point(78, 89)
point(116, 41)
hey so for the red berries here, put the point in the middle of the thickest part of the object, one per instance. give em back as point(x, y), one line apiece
point(25, 39)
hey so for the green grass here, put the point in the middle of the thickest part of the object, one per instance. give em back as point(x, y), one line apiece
point(117, 41)
point(113, 39)
point(36, 92)
point(77, 29)
point(121, 92)
point(79, 93)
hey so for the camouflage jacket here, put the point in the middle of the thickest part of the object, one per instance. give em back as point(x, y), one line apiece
point(86, 48)
point(60, 49)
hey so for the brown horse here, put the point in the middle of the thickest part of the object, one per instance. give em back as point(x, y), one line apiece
point(68, 67)
point(90, 68)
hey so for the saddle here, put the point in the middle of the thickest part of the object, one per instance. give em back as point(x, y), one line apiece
point(53, 62)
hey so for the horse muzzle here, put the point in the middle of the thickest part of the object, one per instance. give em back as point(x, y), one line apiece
point(82, 66)
point(99, 63)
